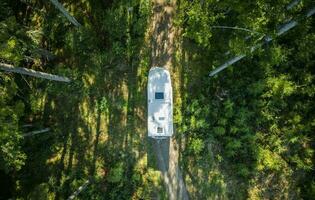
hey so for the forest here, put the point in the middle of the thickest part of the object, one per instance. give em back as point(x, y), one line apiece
point(73, 99)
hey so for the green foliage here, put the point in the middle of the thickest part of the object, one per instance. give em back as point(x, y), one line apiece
point(11, 156)
point(260, 109)
point(232, 147)
point(196, 146)
point(116, 173)
point(248, 132)
point(279, 87)
point(102, 105)
point(199, 22)
point(17, 43)
point(269, 160)
point(5, 10)
point(41, 192)
point(11, 47)
point(219, 131)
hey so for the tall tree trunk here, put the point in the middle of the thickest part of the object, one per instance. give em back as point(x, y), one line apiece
point(27, 125)
point(82, 187)
point(45, 130)
point(235, 28)
point(292, 4)
point(65, 13)
point(30, 72)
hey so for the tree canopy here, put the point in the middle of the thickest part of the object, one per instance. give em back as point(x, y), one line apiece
point(247, 132)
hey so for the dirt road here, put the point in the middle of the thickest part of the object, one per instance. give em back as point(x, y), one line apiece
point(162, 50)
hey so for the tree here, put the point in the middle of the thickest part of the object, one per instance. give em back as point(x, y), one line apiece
point(16, 49)
point(283, 29)
point(257, 115)
point(11, 156)
point(41, 191)
point(65, 12)
point(45, 130)
point(30, 72)
point(80, 189)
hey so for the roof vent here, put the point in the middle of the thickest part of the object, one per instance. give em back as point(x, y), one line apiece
point(159, 95)
point(159, 130)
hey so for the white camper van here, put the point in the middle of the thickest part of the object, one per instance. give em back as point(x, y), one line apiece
point(160, 104)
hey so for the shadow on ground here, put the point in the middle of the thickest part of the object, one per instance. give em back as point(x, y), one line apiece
point(99, 119)
point(158, 154)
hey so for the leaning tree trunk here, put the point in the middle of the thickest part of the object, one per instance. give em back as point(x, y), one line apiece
point(45, 130)
point(65, 12)
point(30, 72)
point(77, 192)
